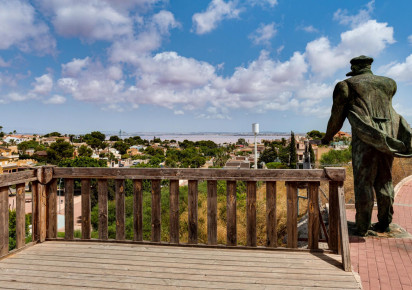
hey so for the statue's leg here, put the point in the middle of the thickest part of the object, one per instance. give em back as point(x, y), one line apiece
point(364, 173)
point(384, 191)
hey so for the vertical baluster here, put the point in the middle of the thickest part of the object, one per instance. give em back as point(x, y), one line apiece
point(292, 214)
point(138, 210)
point(20, 215)
point(343, 229)
point(313, 212)
point(212, 212)
point(231, 213)
point(4, 220)
point(174, 211)
point(156, 219)
point(51, 211)
point(68, 210)
point(42, 191)
point(192, 210)
point(333, 216)
point(35, 211)
point(120, 210)
point(86, 207)
point(103, 216)
point(251, 214)
point(271, 220)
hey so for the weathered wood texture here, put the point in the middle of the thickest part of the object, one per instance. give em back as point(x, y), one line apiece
point(42, 211)
point(174, 211)
point(17, 177)
point(20, 215)
point(251, 214)
point(192, 210)
point(4, 220)
point(212, 212)
point(120, 210)
point(271, 219)
point(313, 212)
point(231, 213)
point(75, 265)
point(333, 216)
point(86, 208)
point(292, 214)
point(103, 211)
point(201, 174)
point(35, 211)
point(138, 210)
point(69, 209)
point(343, 228)
point(51, 209)
point(156, 210)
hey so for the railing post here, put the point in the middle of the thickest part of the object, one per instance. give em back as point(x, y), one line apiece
point(120, 209)
point(174, 211)
point(343, 229)
point(51, 206)
point(231, 213)
point(333, 216)
point(212, 212)
point(251, 214)
point(271, 220)
point(69, 209)
point(35, 211)
point(138, 210)
point(45, 205)
point(20, 215)
point(86, 208)
point(192, 210)
point(156, 210)
point(103, 211)
point(4, 220)
point(313, 212)
point(292, 214)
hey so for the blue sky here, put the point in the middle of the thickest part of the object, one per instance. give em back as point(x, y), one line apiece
point(191, 66)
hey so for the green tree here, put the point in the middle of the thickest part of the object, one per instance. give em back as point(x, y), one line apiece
point(114, 138)
point(315, 134)
point(241, 141)
point(23, 146)
point(95, 139)
point(58, 151)
point(121, 147)
point(292, 151)
point(53, 134)
point(312, 154)
point(336, 157)
point(268, 155)
point(85, 151)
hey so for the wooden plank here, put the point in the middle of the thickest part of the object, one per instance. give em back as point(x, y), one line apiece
point(292, 214)
point(174, 211)
point(231, 213)
point(51, 209)
point(212, 212)
point(156, 210)
point(86, 209)
point(333, 216)
point(17, 177)
point(69, 209)
point(196, 174)
point(35, 211)
point(313, 218)
point(4, 220)
point(251, 214)
point(192, 210)
point(20, 215)
point(42, 212)
point(343, 228)
point(120, 210)
point(271, 219)
point(138, 210)
point(335, 173)
point(103, 211)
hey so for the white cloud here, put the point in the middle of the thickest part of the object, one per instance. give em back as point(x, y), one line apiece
point(55, 100)
point(4, 63)
point(355, 20)
point(309, 29)
point(410, 39)
point(399, 71)
point(74, 67)
point(271, 3)
point(264, 34)
point(179, 112)
point(19, 27)
point(369, 38)
point(43, 85)
point(216, 11)
point(165, 21)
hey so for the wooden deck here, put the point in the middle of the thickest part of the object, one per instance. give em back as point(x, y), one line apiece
point(77, 265)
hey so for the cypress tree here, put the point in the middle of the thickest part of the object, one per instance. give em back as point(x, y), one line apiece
point(292, 151)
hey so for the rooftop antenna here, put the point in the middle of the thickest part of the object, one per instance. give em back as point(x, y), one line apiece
point(255, 130)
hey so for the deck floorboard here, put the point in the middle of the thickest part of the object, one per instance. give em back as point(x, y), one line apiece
point(78, 265)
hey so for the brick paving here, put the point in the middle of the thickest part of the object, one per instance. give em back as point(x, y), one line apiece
point(385, 263)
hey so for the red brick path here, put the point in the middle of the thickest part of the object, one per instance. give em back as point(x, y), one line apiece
point(385, 263)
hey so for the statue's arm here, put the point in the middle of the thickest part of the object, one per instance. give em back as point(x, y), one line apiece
point(339, 111)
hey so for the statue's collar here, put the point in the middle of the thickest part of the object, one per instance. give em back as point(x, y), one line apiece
point(359, 72)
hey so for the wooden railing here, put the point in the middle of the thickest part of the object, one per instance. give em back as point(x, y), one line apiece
point(44, 188)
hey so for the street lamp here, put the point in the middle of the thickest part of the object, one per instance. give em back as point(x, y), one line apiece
point(255, 130)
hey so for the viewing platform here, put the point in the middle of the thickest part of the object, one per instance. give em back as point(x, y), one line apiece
point(49, 262)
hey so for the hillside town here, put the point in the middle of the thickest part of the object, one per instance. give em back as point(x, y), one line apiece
point(20, 151)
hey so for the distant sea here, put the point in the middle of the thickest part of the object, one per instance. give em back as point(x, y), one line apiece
point(217, 138)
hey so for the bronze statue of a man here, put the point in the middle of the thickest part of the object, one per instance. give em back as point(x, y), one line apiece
point(378, 134)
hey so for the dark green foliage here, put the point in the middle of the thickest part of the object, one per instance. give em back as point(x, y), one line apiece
point(276, 165)
point(85, 151)
point(95, 139)
point(268, 155)
point(82, 162)
point(315, 134)
point(114, 138)
point(58, 151)
point(53, 134)
point(312, 154)
point(121, 147)
point(12, 229)
point(293, 158)
point(336, 157)
point(23, 146)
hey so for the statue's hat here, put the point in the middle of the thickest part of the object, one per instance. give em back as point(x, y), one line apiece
point(363, 59)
